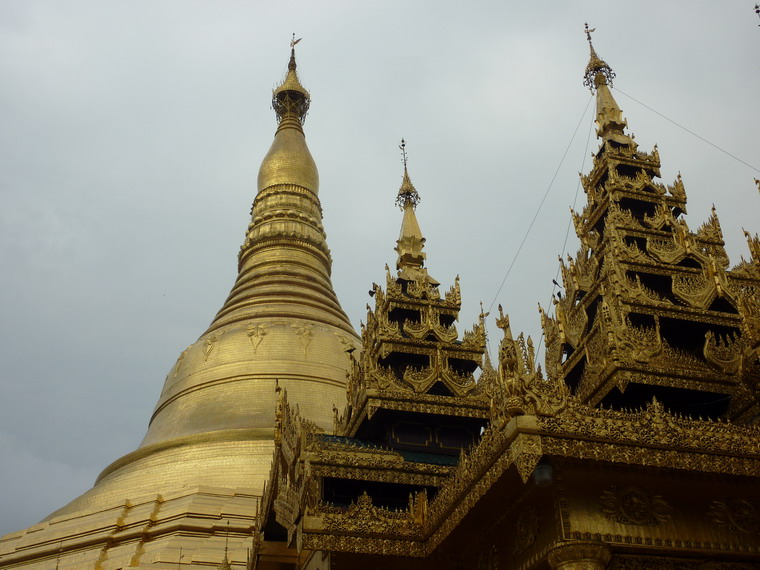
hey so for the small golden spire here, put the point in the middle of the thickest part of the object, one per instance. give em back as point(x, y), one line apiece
point(410, 243)
point(609, 118)
point(225, 565)
point(487, 364)
point(597, 70)
point(407, 192)
point(290, 98)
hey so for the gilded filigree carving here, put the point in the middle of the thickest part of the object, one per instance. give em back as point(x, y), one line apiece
point(710, 230)
point(520, 387)
point(634, 506)
point(723, 354)
point(662, 216)
point(363, 518)
point(526, 452)
point(418, 507)
point(695, 290)
point(666, 250)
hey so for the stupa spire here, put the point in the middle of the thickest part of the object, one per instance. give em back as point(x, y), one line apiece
point(599, 75)
point(290, 100)
point(410, 243)
point(217, 406)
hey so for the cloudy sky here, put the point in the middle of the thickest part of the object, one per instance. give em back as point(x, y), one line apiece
point(131, 133)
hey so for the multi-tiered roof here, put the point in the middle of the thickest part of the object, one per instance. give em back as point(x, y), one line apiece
point(413, 406)
point(650, 308)
point(615, 459)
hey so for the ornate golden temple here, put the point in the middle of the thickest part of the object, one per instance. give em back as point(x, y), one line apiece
point(284, 440)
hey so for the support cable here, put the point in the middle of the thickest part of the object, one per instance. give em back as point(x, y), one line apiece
point(538, 210)
point(567, 236)
point(680, 126)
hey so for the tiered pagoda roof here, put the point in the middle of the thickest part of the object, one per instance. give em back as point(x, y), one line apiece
point(650, 308)
point(639, 449)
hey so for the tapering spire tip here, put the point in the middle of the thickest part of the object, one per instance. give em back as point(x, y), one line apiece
point(407, 194)
point(290, 98)
point(597, 71)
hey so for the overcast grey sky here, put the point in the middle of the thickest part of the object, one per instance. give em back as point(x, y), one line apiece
point(131, 133)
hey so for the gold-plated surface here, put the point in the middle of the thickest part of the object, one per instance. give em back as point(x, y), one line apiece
point(640, 447)
point(650, 308)
point(605, 461)
point(412, 371)
point(281, 323)
point(213, 424)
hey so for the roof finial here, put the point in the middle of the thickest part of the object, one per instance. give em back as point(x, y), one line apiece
point(597, 70)
point(290, 98)
point(293, 42)
point(407, 193)
point(225, 565)
point(588, 34)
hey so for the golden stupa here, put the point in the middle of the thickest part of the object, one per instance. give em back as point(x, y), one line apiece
point(282, 440)
point(194, 482)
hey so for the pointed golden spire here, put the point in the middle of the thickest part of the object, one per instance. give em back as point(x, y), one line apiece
point(410, 243)
point(289, 160)
point(290, 99)
point(609, 118)
point(225, 565)
point(281, 321)
point(487, 364)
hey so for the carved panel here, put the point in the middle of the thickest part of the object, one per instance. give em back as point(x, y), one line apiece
point(634, 506)
point(738, 516)
point(527, 529)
